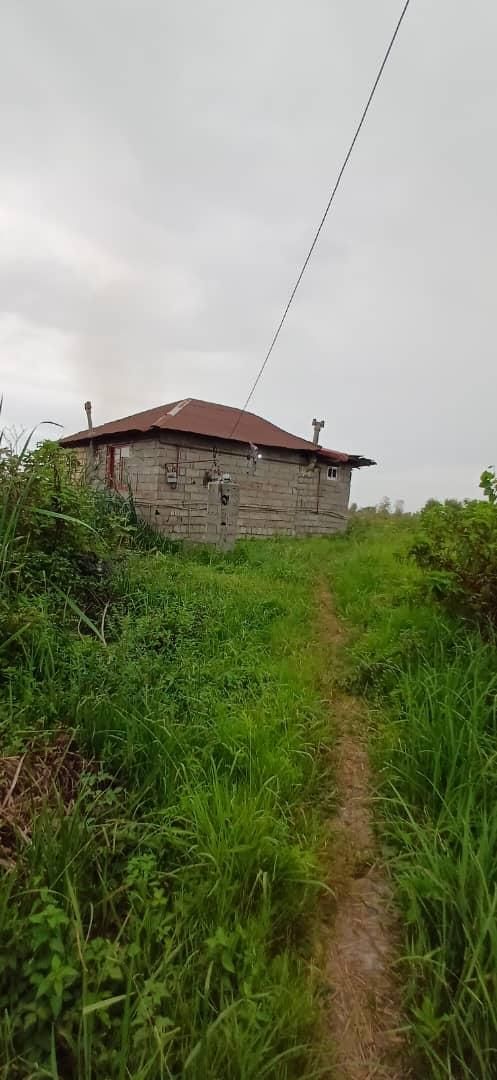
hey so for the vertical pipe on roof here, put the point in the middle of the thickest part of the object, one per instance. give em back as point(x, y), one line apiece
point(317, 425)
point(90, 428)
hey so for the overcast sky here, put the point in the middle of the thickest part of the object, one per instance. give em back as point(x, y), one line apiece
point(163, 168)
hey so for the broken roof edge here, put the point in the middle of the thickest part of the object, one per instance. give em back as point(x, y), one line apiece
point(356, 461)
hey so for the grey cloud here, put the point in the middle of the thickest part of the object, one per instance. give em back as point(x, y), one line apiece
point(164, 166)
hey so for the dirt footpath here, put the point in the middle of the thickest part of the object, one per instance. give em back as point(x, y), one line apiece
point(364, 1012)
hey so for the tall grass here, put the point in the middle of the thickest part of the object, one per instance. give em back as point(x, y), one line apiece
point(435, 682)
point(158, 924)
point(15, 494)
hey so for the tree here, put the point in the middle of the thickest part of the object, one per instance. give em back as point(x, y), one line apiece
point(488, 484)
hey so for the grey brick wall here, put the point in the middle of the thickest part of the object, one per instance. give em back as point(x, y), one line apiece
point(286, 493)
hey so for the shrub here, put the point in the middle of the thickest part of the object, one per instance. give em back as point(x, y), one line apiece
point(57, 536)
point(457, 545)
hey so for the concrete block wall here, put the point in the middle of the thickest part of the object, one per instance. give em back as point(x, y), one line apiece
point(144, 468)
point(323, 507)
point(223, 500)
point(285, 493)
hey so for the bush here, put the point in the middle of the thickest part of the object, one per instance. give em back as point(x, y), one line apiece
point(57, 537)
point(457, 545)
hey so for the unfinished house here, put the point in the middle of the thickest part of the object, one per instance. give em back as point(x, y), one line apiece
point(210, 473)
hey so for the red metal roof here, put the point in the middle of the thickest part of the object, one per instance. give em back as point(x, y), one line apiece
point(191, 416)
point(333, 455)
point(356, 460)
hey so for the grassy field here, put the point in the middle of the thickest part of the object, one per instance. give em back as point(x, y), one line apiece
point(432, 683)
point(162, 782)
point(165, 787)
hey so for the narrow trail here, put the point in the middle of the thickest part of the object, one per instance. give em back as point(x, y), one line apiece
point(364, 1011)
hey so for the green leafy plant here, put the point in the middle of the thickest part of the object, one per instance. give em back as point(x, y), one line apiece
point(457, 545)
point(488, 484)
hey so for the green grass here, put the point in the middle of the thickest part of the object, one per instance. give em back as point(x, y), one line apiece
point(158, 902)
point(161, 925)
point(432, 682)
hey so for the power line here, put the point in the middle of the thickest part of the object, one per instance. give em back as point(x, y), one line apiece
point(325, 215)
